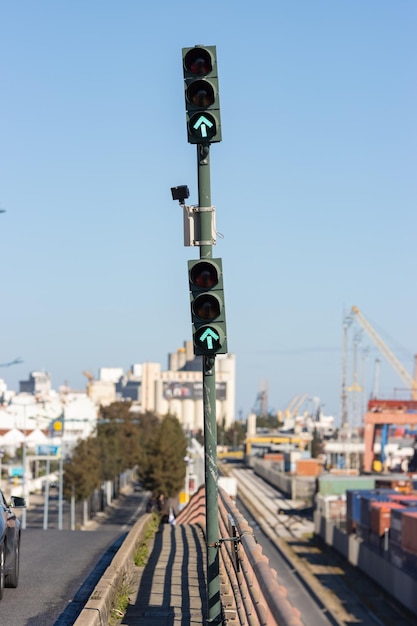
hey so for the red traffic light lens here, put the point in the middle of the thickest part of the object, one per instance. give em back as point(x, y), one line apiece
point(206, 307)
point(200, 93)
point(198, 62)
point(204, 275)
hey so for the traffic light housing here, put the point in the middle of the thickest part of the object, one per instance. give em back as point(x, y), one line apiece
point(208, 314)
point(201, 87)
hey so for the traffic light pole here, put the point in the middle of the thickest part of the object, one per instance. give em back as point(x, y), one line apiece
point(209, 405)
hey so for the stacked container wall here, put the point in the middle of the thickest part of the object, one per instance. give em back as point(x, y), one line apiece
point(396, 528)
point(409, 532)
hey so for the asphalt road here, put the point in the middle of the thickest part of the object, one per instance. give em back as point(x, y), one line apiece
point(59, 568)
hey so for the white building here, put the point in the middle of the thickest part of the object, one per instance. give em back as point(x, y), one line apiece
point(177, 390)
point(80, 417)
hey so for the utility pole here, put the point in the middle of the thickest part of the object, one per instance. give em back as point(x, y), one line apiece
point(205, 281)
point(347, 320)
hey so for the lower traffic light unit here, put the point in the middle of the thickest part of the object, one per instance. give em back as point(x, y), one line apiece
point(208, 314)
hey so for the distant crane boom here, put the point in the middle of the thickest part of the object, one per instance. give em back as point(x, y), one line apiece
point(383, 348)
point(288, 409)
point(16, 361)
point(298, 404)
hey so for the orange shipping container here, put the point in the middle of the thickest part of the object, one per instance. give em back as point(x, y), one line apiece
point(409, 533)
point(308, 467)
point(381, 516)
point(273, 456)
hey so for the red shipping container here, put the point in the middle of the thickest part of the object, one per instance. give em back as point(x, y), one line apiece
point(381, 516)
point(273, 456)
point(403, 496)
point(409, 532)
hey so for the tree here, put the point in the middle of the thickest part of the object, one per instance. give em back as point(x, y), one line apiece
point(82, 471)
point(162, 469)
point(269, 421)
point(148, 425)
point(118, 435)
point(316, 444)
point(233, 437)
point(124, 440)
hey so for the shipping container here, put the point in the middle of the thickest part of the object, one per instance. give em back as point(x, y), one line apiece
point(308, 467)
point(381, 516)
point(332, 508)
point(366, 501)
point(353, 504)
point(409, 532)
point(404, 497)
point(395, 533)
point(334, 485)
point(276, 457)
point(396, 528)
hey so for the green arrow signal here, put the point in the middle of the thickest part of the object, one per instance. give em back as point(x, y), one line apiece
point(209, 334)
point(204, 123)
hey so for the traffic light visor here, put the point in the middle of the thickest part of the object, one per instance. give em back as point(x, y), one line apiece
point(197, 61)
point(204, 275)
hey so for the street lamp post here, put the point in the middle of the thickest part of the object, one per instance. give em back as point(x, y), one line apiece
point(24, 477)
point(25, 406)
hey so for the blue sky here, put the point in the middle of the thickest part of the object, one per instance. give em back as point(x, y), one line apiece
point(314, 186)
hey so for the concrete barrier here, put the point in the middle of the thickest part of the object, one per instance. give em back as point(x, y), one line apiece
point(96, 611)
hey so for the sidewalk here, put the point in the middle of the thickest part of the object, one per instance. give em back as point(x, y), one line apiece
point(171, 588)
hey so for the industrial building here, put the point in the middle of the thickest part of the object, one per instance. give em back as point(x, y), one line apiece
point(177, 390)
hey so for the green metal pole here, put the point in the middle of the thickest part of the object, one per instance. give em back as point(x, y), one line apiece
point(209, 404)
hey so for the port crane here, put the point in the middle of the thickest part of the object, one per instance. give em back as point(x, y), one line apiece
point(410, 382)
point(298, 404)
point(383, 413)
point(286, 413)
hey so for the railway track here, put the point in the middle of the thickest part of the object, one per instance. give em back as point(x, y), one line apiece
point(345, 594)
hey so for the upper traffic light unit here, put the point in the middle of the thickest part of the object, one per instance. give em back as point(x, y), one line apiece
point(201, 87)
point(207, 306)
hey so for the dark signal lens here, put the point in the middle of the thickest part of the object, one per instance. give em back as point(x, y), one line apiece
point(204, 275)
point(198, 62)
point(201, 94)
point(206, 307)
